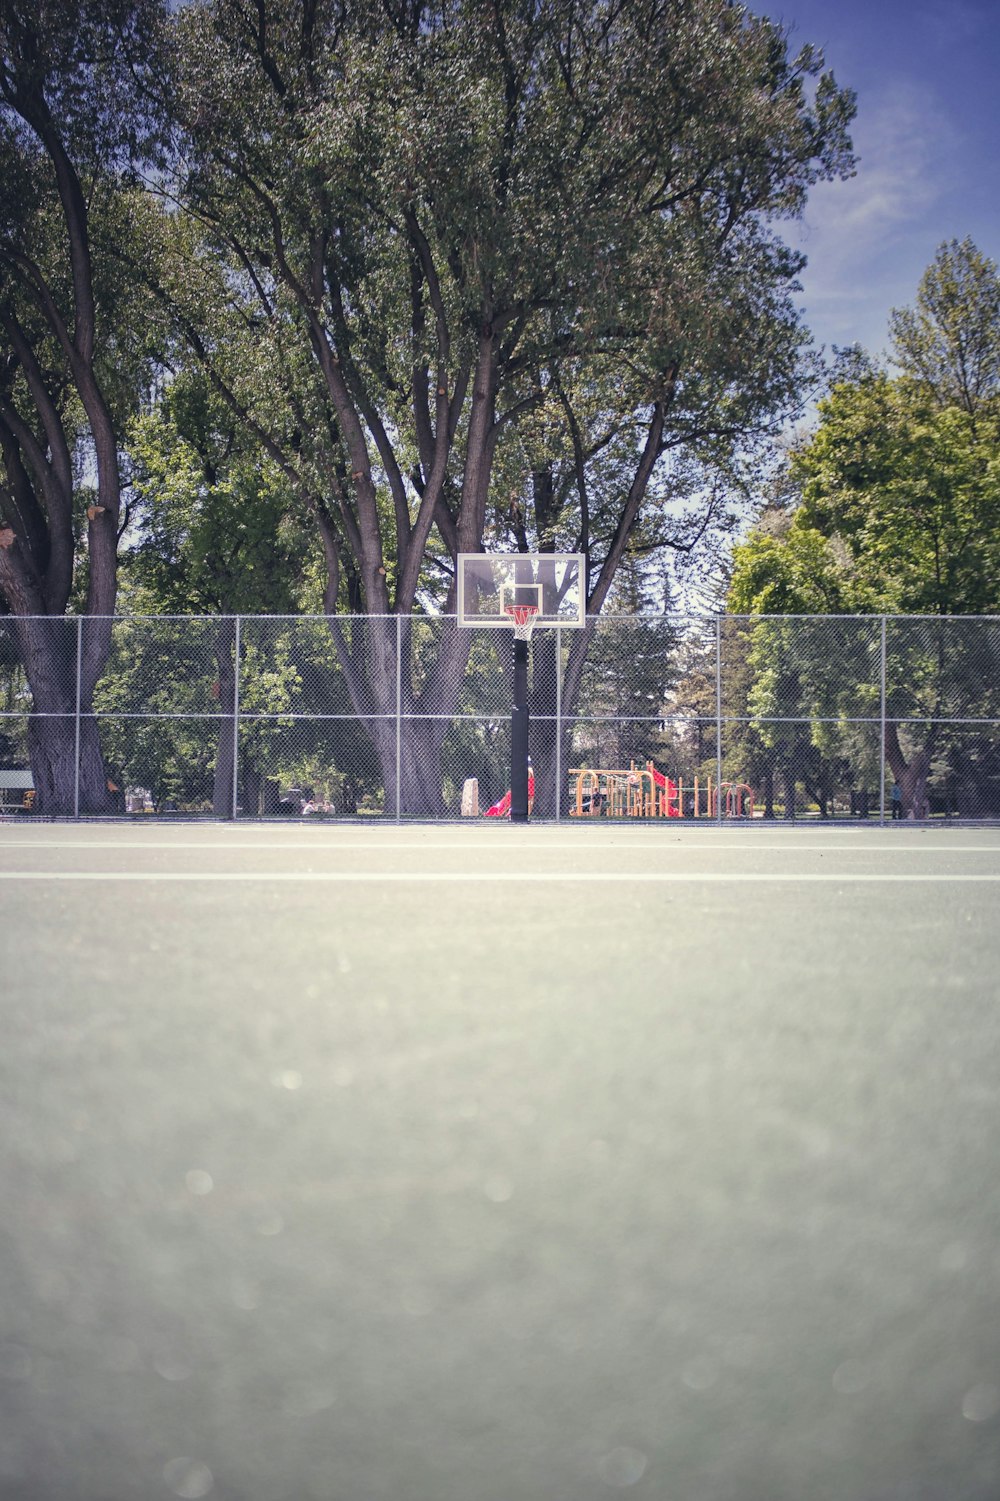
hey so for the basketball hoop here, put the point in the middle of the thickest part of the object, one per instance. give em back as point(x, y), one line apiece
point(523, 617)
point(518, 591)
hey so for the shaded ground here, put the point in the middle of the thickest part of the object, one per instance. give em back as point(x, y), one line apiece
point(669, 1168)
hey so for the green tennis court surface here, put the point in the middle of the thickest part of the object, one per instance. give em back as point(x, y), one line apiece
point(499, 1164)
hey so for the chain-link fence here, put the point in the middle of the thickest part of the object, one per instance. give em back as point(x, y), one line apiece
point(652, 717)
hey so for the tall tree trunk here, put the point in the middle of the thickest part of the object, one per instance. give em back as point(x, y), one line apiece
point(52, 750)
point(912, 775)
point(544, 731)
point(366, 649)
point(916, 803)
point(421, 784)
point(550, 799)
point(63, 785)
point(769, 790)
point(421, 788)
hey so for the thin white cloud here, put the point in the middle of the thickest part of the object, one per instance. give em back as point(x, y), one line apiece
point(866, 238)
point(902, 150)
point(959, 23)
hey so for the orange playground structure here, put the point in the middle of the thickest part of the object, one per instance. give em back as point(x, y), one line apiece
point(644, 792)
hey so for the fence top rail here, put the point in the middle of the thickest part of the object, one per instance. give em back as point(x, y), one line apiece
point(677, 616)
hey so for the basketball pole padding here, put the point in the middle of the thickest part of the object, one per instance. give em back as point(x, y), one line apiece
point(519, 736)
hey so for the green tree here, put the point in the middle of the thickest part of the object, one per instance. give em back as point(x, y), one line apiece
point(72, 349)
point(214, 527)
point(216, 531)
point(420, 228)
point(215, 534)
point(950, 341)
point(911, 491)
point(900, 514)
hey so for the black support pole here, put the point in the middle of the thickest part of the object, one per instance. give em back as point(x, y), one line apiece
point(519, 736)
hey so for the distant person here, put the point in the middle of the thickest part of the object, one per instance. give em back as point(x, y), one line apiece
point(896, 797)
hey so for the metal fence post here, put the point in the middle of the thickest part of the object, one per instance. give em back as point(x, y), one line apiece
point(236, 715)
point(881, 755)
point(399, 715)
point(559, 722)
point(718, 718)
point(76, 735)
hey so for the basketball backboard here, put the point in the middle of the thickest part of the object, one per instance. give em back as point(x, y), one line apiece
point(491, 583)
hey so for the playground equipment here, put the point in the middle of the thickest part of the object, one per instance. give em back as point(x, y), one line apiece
point(502, 808)
point(635, 793)
point(644, 792)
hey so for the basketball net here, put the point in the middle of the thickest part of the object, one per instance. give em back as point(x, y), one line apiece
point(523, 617)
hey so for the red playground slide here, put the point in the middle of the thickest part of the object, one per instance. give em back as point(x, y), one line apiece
point(665, 785)
point(502, 808)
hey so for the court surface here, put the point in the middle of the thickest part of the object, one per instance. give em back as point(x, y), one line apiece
point(499, 1164)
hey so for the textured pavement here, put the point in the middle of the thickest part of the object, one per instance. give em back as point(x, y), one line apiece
point(499, 1164)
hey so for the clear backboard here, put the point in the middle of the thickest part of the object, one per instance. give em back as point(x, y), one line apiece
point(494, 588)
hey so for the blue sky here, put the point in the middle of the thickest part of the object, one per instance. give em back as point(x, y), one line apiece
point(926, 134)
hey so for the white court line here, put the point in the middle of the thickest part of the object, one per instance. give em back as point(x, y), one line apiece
point(522, 877)
point(492, 847)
